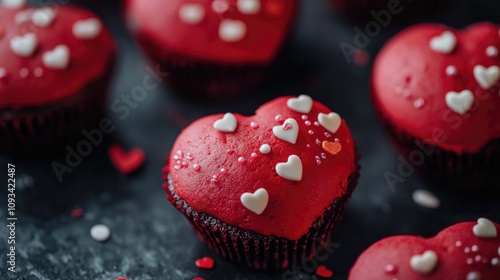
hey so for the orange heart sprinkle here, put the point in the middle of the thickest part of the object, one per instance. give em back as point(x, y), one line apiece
point(332, 147)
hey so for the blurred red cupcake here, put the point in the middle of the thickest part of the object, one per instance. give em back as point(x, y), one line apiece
point(212, 48)
point(264, 191)
point(55, 65)
point(437, 90)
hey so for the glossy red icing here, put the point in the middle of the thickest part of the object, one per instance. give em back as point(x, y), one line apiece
point(266, 30)
point(454, 247)
point(89, 58)
point(407, 70)
point(293, 205)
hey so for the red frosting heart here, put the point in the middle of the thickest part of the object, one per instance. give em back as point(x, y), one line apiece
point(126, 162)
point(205, 263)
point(31, 73)
point(253, 30)
point(267, 173)
point(463, 251)
point(421, 81)
point(323, 272)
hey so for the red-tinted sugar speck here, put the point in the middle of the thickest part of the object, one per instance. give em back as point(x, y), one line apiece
point(197, 167)
point(316, 123)
point(337, 140)
point(176, 167)
point(254, 155)
point(406, 93)
point(308, 146)
point(304, 117)
point(361, 57)
point(214, 179)
point(287, 126)
point(184, 164)
point(318, 142)
point(223, 170)
point(308, 123)
point(77, 212)
point(478, 258)
point(391, 269)
point(189, 156)
point(310, 132)
point(419, 103)
point(278, 118)
point(323, 155)
point(318, 160)
point(458, 243)
point(254, 125)
point(328, 135)
point(398, 90)
point(180, 153)
point(220, 6)
point(230, 152)
point(241, 160)
point(470, 261)
point(467, 250)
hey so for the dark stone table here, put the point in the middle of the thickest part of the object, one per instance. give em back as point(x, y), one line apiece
point(150, 239)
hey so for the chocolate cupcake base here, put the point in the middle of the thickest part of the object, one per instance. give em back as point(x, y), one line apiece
point(445, 169)
point(49, 128)
point(258, 251)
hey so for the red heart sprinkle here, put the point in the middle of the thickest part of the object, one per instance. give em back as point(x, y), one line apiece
point(323, 272)
point(205, 263)
point(126, 162)
point(121, 278)
point(77, 212)
point(198, 278)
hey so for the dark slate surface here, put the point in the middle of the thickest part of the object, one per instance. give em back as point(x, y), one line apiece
point(150, 240)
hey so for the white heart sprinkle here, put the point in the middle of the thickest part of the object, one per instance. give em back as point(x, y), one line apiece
point(24, 46)
point(302, 104)
point(330, 122)
point(13, 3)
point(87, 29)
point(100, 233)
point(248, 7)
point(291, 170)
point(486, 77)
point(43, 17)
point(491, 51)
point(265, 149)
point(426, 199)
point(451, 70)
point(461, 102)
point(288, 132)
point(57, 59)
point(424, 263)
point(474, 276)
point(232, 30)
point(220, 6)
point(23, 17)
point(485, 229)
point(255, 202)
point(444, 43)
point(227, 124)
point(192, 13)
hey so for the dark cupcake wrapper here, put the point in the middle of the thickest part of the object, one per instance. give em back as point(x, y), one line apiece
point(46, 128)
point(446, 169)
point(259, 251)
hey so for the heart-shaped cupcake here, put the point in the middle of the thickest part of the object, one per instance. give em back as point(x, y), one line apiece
point(272, 175)
point(214, 47)
point(469, 251)
point(52, 61)
point(441, 86)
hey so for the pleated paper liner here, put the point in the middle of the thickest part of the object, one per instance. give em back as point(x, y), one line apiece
point(257, 251)
point(49, 128)
point(475, 174)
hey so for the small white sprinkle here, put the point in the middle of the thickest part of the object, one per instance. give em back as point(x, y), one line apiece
point(495, 262)
point(22, 17)
point(467, 250)
point(419, 103)
point(451, 70)
point(458, 243)
point(265, 149)
point(43, 17)
point(3, 72)
point(192, 13)
point(248, 7)
point(38, 72)
point(100, 233)
point(426, 199)
point(232, 30)
point(498, 251)
point(474, 248)
point(24, 72)
point(220, 6)
point(474, 276)
point(491, 51)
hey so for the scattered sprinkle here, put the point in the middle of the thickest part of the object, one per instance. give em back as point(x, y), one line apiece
point(265, 149)
point(391, 269)
point(426, 199)
point(205, 263)
point(474, 276)
point(323, 272)
point(419, 103)
point(100, 233)
point(491, 51)
point(451, 70)
point(126, 162)
point(77, 212)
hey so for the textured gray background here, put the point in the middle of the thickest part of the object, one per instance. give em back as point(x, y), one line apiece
point(150, 240)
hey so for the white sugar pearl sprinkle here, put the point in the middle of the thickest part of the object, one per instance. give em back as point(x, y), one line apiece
point(100, 232)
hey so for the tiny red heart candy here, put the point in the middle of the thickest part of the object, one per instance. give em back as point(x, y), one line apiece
point(205, 263)
point(323, 272)
point(126, 162)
